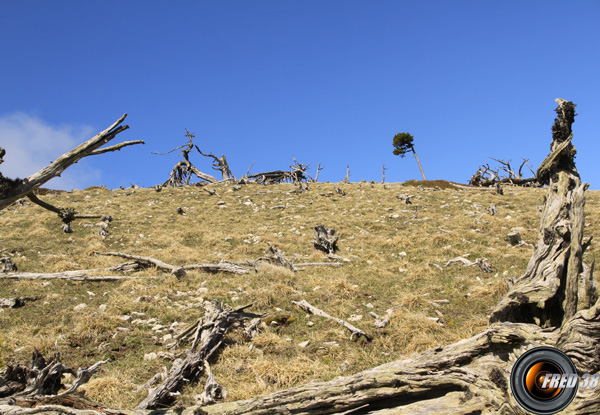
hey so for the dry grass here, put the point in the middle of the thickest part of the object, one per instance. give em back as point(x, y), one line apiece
point(394, 258)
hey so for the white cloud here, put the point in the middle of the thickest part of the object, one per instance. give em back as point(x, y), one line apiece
point(32, 144)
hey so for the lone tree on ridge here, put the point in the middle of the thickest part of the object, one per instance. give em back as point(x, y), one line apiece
point(403, 143)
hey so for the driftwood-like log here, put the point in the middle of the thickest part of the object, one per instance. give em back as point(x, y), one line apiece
point(210, 333)
point(309, 308)
point(178, 271)
point(41, 381)
point(482, 263)
point(65, 275)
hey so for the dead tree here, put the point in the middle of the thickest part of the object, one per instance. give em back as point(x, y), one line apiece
point(209, 336)
point(184, 170)
point(319, 168)
point(220, 164)
point(487, 176)
point(12, 190)
point(554, 303)
point(296, 175)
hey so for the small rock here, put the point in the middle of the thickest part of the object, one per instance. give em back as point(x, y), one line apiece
point(150, 356)
point(355, 317)
point(79, 307)
point(310, 323)
point(167, 337)
point(345, 366)
point(127, 319)
point(304, 344)
point(220, 202)
point(369, 305)
point(102, 307)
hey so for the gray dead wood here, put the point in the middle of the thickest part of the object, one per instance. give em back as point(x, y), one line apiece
point(15, 302)
point(178, 271)
point(210, 333)
point(41, 381)
point(12, 190)
point(65, 275)
point(7, 265)
point(183, 170)
point(482, 263)
point(220, 164)
point(325, 239)
point(355, 332)
point(318, 264)
point(404, 198)
point(275, 257)
point(213, 391)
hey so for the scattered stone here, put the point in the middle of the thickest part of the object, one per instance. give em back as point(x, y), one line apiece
point(369, 305)
point(79, 307)
point(310, 323)
point(404, 198)
point(355, 317)
point(126, 318)
point(150, 356)
point(304, 344)
point(344, 366)
point(102, 307)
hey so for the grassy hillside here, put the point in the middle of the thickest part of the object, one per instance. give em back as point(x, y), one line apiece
point(395, 250)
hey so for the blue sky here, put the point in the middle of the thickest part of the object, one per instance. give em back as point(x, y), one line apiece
point(322, 81)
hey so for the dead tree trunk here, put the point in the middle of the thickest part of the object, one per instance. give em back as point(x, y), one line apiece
point(210, 333)
point(319, 168)
point(183, 170)
point(13, 190)
point(220, 164)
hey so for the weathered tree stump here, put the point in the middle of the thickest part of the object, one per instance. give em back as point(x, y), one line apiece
point(325, 239)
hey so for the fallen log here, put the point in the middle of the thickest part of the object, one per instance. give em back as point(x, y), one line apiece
point(65, 275)
point(210, 333)
point(178, 271)
point(482, 263)
point(309, 308)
